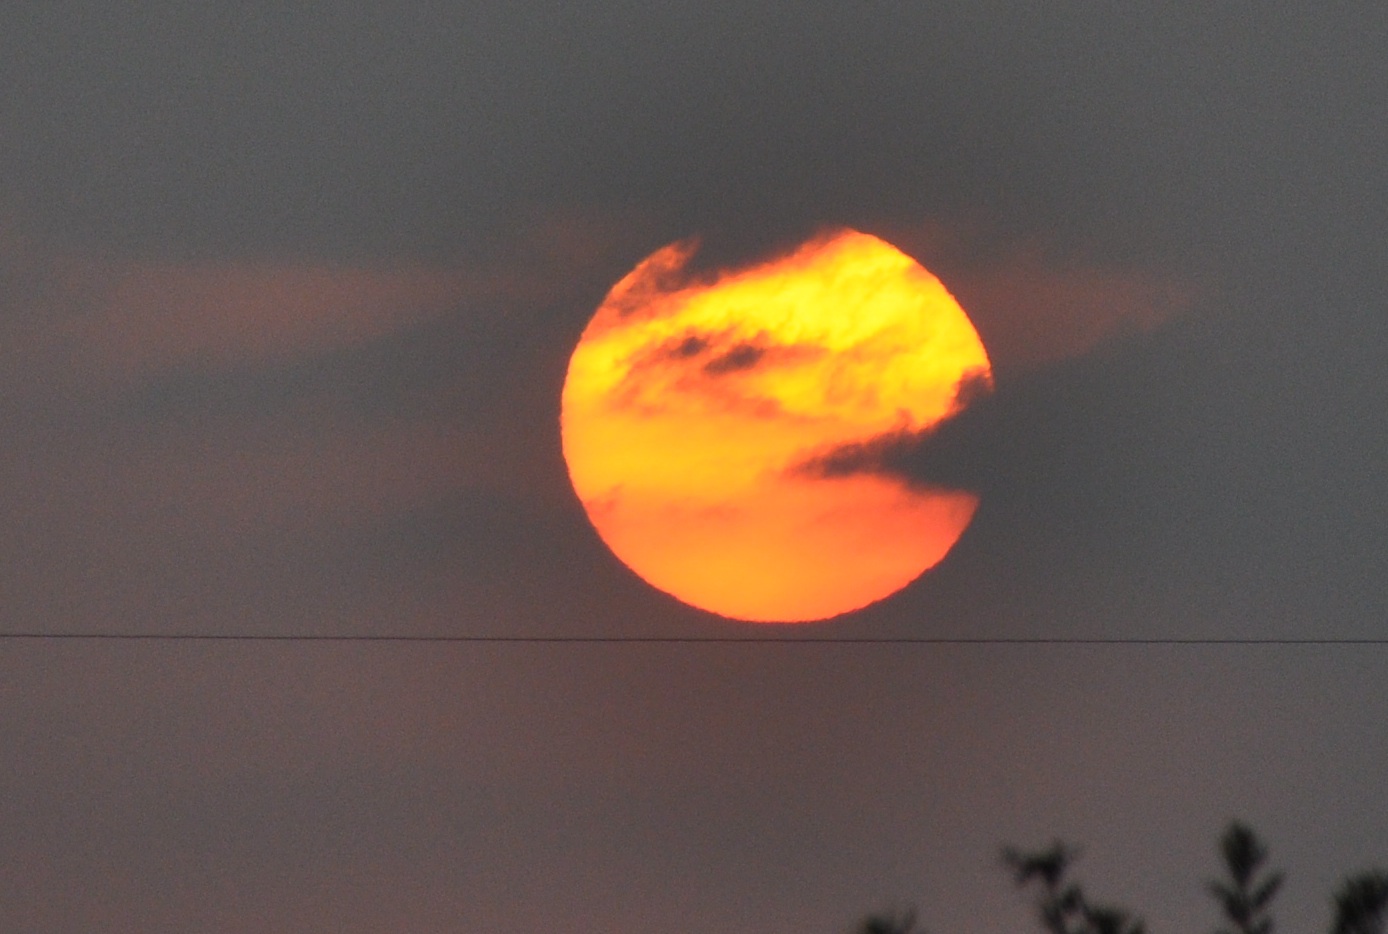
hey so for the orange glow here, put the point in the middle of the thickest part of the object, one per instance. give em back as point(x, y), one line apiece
point(690, 404)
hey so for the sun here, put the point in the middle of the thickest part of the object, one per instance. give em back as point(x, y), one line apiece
point(696, 408)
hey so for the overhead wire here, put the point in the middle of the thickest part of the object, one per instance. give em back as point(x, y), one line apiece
point(37, 636)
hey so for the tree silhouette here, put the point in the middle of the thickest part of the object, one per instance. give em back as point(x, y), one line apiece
point(1361, 903)
point(1063, 906)
point(1244, 897)
point(1060, 903)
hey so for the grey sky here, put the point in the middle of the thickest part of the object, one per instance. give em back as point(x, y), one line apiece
point(286, 297)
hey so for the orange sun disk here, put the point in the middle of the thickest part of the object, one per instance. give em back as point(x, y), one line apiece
point(692, 406)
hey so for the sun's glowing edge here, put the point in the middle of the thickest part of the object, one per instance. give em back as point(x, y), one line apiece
point(682, 468)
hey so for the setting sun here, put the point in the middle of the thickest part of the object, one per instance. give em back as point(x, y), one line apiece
point(694, 403)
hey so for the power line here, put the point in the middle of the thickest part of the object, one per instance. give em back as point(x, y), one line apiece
point(674, 640)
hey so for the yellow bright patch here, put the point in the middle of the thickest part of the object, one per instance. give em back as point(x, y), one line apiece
point(689, 404)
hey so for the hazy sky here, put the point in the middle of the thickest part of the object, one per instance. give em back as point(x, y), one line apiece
point(286, 296)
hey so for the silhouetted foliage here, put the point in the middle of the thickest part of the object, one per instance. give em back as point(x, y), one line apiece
point(1361, 903)
point(1059, 903)
point(1244, 897)
point(1102, 919)
point(905, 923)
point(1062, 904)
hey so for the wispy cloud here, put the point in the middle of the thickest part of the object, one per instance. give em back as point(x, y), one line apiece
point(1034, 306)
